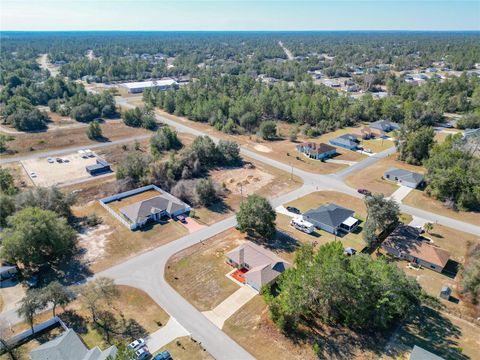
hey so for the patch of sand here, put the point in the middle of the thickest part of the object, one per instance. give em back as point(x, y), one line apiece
point(243, 180)
point(94, 241)
point(263, 148)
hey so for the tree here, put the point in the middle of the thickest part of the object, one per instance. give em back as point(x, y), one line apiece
point(205, 191)
point(28, 120)
point(133, 168)
point(56, 294)
point(268, 130)
point(163, 140)
point(229, 152)
point(381, 213)
point(469, 121)
point(35, 237)
point(471, 274)
point(30, 305)
point(3, 143)
point(357, 291)
point(7, 208)
point(293, 134)
point(94, 131)
point(7, 185)
point(428, 227)
point(85, 112)
point(414, 142)
point(257, 214)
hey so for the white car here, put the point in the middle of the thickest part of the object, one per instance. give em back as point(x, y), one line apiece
point(50, 160)
point(143, 353)
point(137, 344)
point(33, 174)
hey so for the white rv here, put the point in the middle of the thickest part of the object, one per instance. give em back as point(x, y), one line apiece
point(302, 225)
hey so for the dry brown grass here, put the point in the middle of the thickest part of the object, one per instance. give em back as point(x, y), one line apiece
point(420, 200)
point(185, 348)
point(371, 177)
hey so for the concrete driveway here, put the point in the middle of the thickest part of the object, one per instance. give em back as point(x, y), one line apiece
point(401, 193)
point(230, 305)
point(192, 225)
point(165, 335)
point(282, 210)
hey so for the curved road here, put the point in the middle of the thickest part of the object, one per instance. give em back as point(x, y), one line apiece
point(147, 271)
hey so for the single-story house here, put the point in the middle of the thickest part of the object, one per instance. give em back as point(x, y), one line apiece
point(101, 167)
point(404, 243)
point(346, 141)
point(7, 271)
point(384, 125)
point(419, 353)
point(262, 265)
point(153, 209)
point(404, 177)
point(367, 132)
point(332, 218)
point(316, 151)
point(69, 346)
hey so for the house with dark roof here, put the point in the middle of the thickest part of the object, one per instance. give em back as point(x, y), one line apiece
point(405, 243)
point(384, 125)
point(69, 346)
point(258, 266)
point(316, 151)
point(404, 177)
point(101, 167)
point(347, 141)
point(332, 218)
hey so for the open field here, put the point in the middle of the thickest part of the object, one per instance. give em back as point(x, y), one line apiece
point(284, 150)
point(185, 348)
point(72, 168)
point(371, 177)
point(131, 303)
point(420, 200)
point(26, 143)
point(115, 243)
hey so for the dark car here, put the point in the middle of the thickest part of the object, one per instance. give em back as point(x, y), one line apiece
point(164, 355)
point(182, 219)
point(364, 192)
point(293, 210)
point(32, 282)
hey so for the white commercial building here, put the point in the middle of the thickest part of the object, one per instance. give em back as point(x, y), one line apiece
point(138, 87)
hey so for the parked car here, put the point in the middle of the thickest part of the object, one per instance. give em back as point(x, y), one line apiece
point(32, 282)
point(50, 160)
point(164, 355)
point(293, 210)
point(33, 174)
point(364, 192)
point(59, 160)
point(143, 354)
point(182, 219)
point(137, 344)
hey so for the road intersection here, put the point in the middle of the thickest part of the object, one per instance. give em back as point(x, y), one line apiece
point(147, 271)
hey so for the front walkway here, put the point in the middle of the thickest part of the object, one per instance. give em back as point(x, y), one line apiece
point(165, 335)
point(342, 162)
point(401, 193)
point(230, 305)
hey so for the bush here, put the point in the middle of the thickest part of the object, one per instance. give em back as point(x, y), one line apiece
point(268, 130)
point(84, 113)
point(94, 131)
point(205, 191)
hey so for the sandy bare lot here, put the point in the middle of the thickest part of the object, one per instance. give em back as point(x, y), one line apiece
point(242, 179)
point(48, 174)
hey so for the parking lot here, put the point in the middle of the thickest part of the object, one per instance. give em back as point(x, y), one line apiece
point(58, 170)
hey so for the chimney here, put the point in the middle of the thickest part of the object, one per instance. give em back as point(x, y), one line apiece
point(241, 257)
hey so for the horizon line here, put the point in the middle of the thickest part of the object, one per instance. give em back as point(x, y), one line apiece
point(248, 30)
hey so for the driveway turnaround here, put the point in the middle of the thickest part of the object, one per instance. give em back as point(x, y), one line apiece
point(192, 225)
point(230, 305)
point(282, 210)
point(165, 335)
point(401, 193)
point(417, 222)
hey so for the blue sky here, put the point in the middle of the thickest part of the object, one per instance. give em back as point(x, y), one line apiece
point(239, 15)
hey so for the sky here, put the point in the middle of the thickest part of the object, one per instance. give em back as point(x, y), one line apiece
point(239, 15)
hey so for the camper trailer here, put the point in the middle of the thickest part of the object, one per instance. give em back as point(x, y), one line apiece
point(302, 225)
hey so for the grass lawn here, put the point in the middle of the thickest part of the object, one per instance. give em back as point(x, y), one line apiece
point(112, 242)
point(371, 177)
point(377, 145)
point(420, 200)
point(443, 334)
point(198, 273)
point(131, 303)
point(185, 348)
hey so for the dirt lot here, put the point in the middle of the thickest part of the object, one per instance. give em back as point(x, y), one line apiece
point(71, 169)
point(282, 150)
point(132, 303)
point(371, 177)
point(420, 200)
point(115, 242)
point(61, 138)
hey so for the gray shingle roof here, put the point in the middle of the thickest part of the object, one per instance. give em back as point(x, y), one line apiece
point(405, 175)
point(384, 125)
point(419, 353)
point(346, 139)
point(331, 214)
